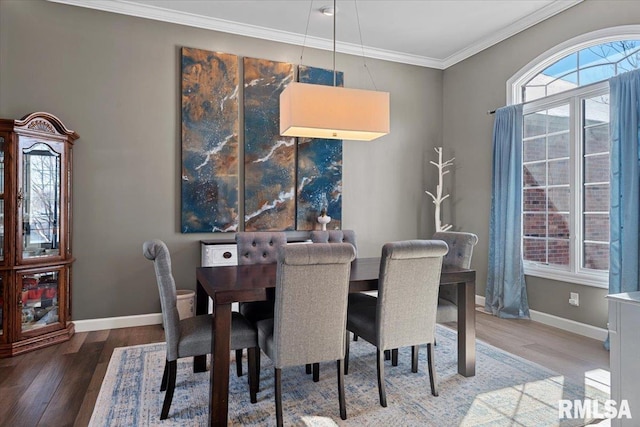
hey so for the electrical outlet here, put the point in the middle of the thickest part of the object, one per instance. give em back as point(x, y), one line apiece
point(574, 299)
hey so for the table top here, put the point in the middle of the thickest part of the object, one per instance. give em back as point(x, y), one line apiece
point(255, 282)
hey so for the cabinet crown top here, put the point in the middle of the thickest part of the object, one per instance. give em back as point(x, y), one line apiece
point(47, 123)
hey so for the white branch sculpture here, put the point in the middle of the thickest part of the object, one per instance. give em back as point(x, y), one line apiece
point(439, 198)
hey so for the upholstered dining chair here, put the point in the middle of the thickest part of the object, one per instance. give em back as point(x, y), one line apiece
point(309, 326)
point(405, 313)
point(461, 246)
point(257, 248)
point(460, 252)
point(192, 336)
point(340, 236)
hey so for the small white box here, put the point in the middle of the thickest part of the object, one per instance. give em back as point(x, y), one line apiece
point(217, 255)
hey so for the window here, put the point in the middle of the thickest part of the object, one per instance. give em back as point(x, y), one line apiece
point(565, 196)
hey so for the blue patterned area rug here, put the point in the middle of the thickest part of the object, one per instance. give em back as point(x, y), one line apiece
point(506, 391)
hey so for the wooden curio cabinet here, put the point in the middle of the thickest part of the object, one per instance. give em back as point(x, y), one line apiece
point(35, 233)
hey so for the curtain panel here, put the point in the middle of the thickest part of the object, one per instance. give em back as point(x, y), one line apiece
point(506, 293)
point(625, 182)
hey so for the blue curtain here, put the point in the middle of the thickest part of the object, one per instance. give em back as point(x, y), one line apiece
point(506, 294)
point(625, 182)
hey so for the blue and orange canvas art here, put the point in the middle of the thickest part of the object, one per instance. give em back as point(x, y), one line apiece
point(269, 159)
point(319, 166)
point(210, 120)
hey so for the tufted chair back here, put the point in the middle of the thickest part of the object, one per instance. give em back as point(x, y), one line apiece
point(460, 251)
point(334, 236)
point(259, 247)
point(460, 247)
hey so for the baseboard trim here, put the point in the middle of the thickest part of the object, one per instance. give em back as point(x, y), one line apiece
point(561, 323)
point(90, 325)
point(156, 319)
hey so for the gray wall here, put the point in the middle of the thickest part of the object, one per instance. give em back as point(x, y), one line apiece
point(115, 80)
point(478, 84)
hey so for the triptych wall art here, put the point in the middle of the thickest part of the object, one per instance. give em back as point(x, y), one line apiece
point(286, 180)
point(210, 120)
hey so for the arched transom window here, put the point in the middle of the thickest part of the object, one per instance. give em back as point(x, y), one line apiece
point(589, 65)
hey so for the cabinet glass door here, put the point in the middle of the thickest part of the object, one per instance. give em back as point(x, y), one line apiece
point(3, 146)
point(39, 296)
point(39, 197)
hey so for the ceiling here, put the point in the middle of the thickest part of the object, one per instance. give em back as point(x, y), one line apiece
point(429, 33)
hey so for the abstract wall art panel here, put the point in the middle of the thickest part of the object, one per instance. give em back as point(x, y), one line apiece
point(319, 166)
point(269, 159)
point(210, 170)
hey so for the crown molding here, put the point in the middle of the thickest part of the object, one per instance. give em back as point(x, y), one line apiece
point(529, 21)
point(182, 18)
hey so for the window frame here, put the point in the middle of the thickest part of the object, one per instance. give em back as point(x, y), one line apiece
point(575, 272)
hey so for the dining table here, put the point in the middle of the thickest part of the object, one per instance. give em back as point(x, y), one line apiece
point(226, 285)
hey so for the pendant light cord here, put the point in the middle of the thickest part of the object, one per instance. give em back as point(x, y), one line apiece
point(335, 12)
point(364, 61)
point(306, 30)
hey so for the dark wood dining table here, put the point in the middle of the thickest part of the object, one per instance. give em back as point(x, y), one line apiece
point(244, 283)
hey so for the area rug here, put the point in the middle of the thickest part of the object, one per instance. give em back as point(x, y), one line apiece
point(506, 391)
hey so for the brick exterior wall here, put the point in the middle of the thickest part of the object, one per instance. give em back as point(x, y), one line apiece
point(546, 195)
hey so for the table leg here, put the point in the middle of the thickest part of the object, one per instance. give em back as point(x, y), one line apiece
point(220, 359)
point(202, 303)
point(466, 328)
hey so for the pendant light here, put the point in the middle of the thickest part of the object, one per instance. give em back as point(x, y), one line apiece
point(332, 112)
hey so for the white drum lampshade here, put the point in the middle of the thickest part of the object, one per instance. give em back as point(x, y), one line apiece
point(329, 112)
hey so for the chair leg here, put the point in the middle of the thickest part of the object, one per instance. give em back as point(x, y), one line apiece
point(171, 385)
point(387, 355)
point(355, 337)
point(381, 390)
point(414, 358)
point(278, 392)
point(316, 372)
point(432, 372)
point(343, 405)
point(258, 368)
point(163, 384)
point(308, 368)
point(346, 355)
point(394, 357)
point(253, 371)
point(239, 362)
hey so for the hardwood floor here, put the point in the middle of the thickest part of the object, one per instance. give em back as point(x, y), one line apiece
point(58, 385)
point(566, 353)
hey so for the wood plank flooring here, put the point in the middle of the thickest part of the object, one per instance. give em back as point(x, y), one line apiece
point(58, 386)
